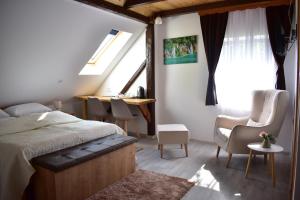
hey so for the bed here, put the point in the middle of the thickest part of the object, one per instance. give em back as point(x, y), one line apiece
point(29, 136)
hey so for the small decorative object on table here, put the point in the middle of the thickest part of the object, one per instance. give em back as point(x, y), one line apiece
point(268, 139)
point(140, 92)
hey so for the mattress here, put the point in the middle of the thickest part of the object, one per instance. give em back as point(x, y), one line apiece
point(26, 137)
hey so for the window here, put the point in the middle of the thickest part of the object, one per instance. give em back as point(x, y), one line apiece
point(124, 70)
point(106, 52)
point(246, 62)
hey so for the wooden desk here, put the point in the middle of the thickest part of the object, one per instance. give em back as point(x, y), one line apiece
point(140, 103)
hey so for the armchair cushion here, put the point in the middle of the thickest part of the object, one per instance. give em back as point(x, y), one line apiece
point(230, 122)
point(254, 123)
point(224, 133)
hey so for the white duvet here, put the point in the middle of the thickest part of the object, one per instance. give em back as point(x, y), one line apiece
point(24, 138)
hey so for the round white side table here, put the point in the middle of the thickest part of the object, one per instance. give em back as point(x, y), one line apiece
point(256, 147)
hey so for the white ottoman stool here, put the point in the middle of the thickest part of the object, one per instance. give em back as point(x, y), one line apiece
point(172, 134)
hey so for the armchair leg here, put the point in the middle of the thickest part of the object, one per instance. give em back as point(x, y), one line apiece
point(218, 151)
point(229, 159)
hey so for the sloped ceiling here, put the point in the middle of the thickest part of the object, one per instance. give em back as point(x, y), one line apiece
point(45, 44)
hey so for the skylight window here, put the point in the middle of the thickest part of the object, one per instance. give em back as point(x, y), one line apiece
point(106, 52)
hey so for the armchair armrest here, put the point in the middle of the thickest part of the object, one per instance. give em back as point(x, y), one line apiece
point(230, 122)
point(242, 135)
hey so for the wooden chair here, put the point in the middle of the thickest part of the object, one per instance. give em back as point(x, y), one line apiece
point(96, 109)
point(121, 112)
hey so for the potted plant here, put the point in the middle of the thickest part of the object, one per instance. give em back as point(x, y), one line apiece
point(268, 139)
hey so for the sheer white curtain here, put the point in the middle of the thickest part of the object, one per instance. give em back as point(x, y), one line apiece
point(246, 62)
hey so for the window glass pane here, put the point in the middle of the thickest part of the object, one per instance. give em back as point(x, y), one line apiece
point(246, 62)
point(107, 51)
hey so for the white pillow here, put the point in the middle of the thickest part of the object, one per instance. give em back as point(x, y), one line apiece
point(3, 114)
point(25, 109)
point(254, 123)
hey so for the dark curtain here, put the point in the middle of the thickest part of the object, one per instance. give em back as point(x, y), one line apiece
point(213, 31)
point(279, 26)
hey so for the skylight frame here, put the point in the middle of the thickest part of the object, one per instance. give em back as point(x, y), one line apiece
point(106, 52)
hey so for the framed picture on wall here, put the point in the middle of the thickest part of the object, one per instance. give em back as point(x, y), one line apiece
point(180, 50)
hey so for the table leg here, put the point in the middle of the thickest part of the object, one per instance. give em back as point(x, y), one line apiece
point(161, 150)
point(265, 158)
point(186, 150)
point(272, 156)
point(269, 163)
point(249, 162)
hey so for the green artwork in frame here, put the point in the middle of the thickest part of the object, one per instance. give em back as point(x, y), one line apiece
point(180, 50)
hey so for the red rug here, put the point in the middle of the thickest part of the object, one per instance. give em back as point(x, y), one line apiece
point(145, 185)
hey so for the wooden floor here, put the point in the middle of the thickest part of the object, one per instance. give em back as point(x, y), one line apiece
point(213, 180)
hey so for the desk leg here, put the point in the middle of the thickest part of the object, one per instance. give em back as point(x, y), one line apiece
point(148, 112)
point(248, 164)
point(145, 111)
point(151, 124)
point(84, 109)
point(273, 169)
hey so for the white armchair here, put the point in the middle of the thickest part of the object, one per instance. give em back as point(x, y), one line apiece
point(268, 111)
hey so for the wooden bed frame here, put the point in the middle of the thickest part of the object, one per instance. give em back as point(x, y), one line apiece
point(90, 174)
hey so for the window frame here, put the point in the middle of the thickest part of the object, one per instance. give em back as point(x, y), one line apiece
point(112, 40)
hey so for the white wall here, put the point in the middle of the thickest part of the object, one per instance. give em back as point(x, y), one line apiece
point(181, 89)
point(45, 44)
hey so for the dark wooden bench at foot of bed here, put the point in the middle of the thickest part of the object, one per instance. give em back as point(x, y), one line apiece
point(80, 171)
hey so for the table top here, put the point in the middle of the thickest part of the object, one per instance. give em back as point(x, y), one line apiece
point(257, 147)
point(171, 127)
point(128, 100)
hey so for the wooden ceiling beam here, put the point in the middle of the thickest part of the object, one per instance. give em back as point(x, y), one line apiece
point(250, 5)
point(133, 3)
point(104, 5)
point(134, 77)
point(150, 74)
point(222, 6)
